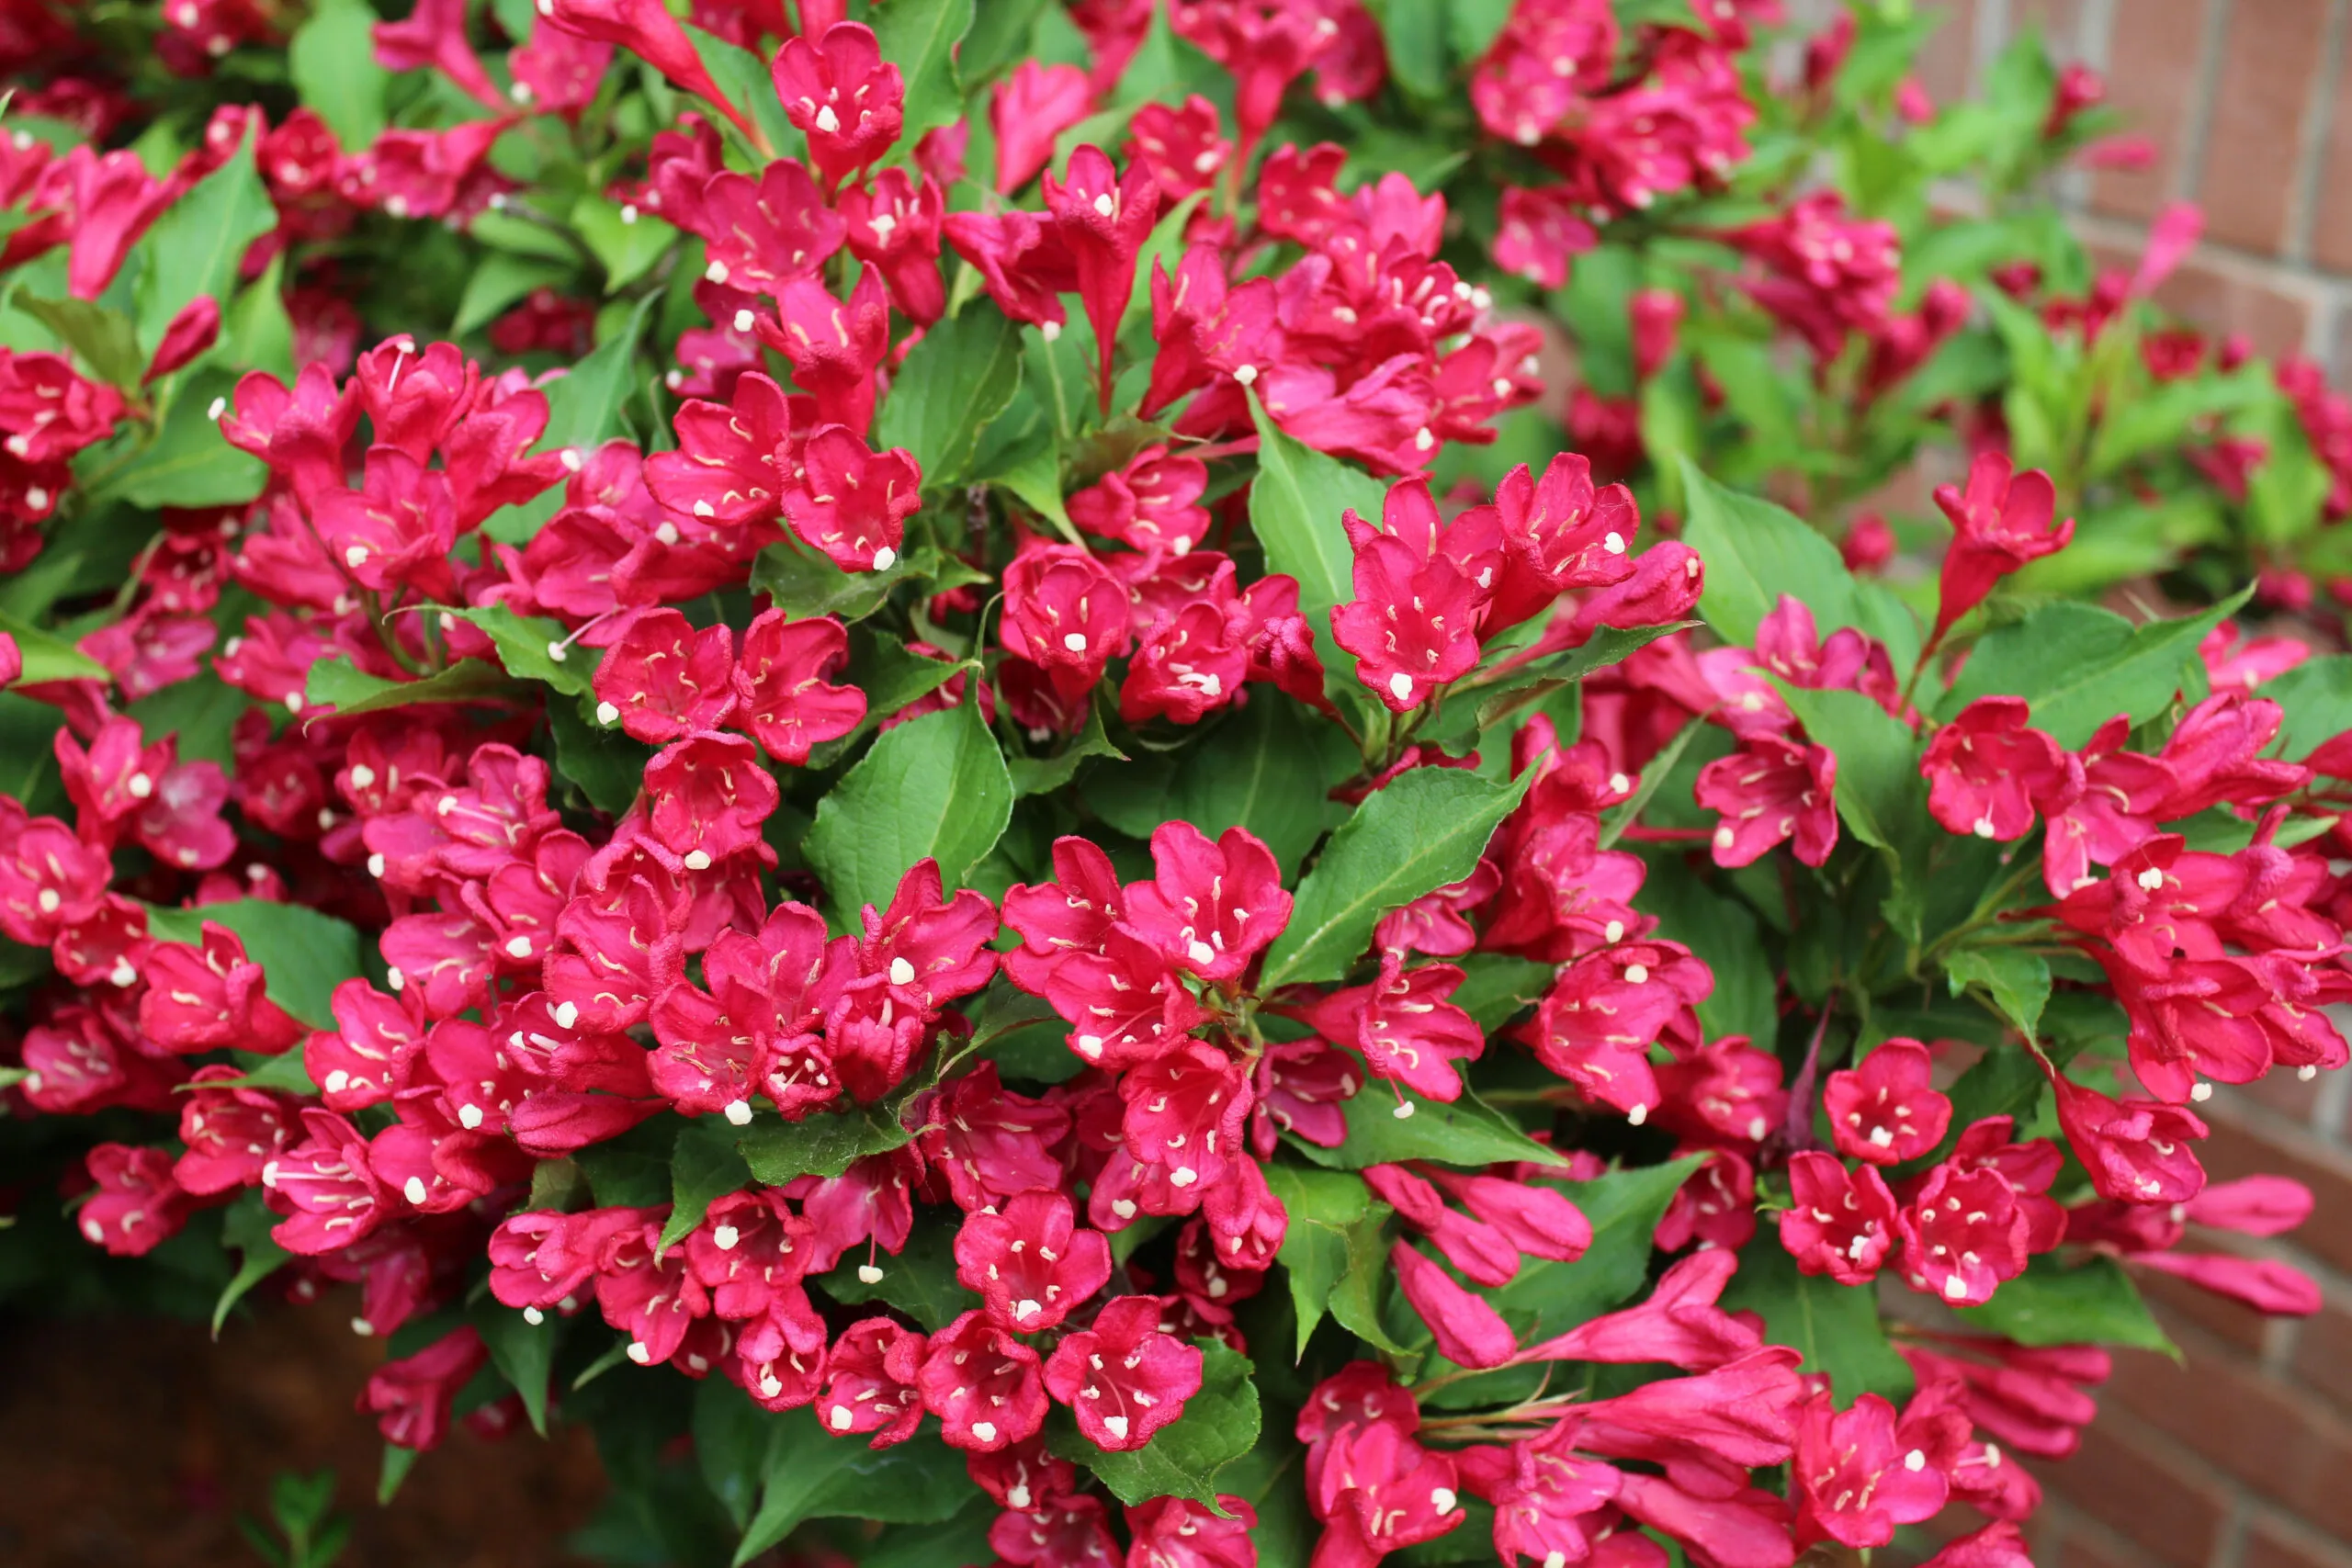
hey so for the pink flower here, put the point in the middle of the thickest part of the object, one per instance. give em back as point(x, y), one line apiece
point(986, 1387)
point(870, 1383)
point(1406, 1030)
point(894, 222)
point(1855, 1483)
point(707, 795)
point(1212, 906)
point(1838, 1223)
point(1029, 1265)
point(1767, 792)
point(1029, 110)
point(1181, 147)
point(1469, 1332)
point(1421, 594)
point(763, 234)
point(2137, 1151)
point(1177, 1532)
point(785, 685)
point(1065, 613)
point(834, 344)
point(138, 1205)
point(1540, 232)
point(731, 462)
point(1963, 1235)
point(1122, 1378)
point(1103, 220)
point(1999, 526)
point(410, 1397)
point(663, 678)
point(853, 503)
point(839, 91)
point(1989, 772)
point(1886, 1109)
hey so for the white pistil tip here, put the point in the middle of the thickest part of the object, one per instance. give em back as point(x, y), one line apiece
point(639, 1353)
point(697, 860)
point(1404, 1112)
point(534, 1316)
point(884, 558)
point(567, 1014)
point(1639, 1114)
point(414, 1190)
point(607, 714)
point(470, 1117)
point(867, 1274)
point(1401, 684)
point(738, 1113)
point(902, 972)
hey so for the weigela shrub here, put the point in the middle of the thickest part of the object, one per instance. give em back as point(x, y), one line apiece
point(897, 749)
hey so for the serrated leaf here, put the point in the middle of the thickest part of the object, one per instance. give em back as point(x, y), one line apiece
point(1511, 694)
point(1042, 775)
point(960, 377)
point(920, 1279)
point(1835, 1327)
point(2317, 698)
point(812, 1475)
point(2080, 666)
point(523, 1353)
point(1219, 1425)
point(746, 81)
point(186, 464)
point(1425, 829)
point(533, 648)
point(733, 1441)
point(1294, 506)
point(1624, 1208)
point(1267, 768)
point(2094, 1301)
point(198, 244)
point(1495, 986)
point(626, 240)
point(332, 62)
point(334, 681)
point(1756, 552)
point(246, 1227)
point(1332, 1254)
point(2018, 981)
point(501, 280)
point(304, 954)
point(804, 584)
point(920, 38)
point(105, 340)
point(285, 1072)
point(584, 404)
point(1880, 796)
point(631, 1171)
point(1466, 1132)
point(778, 1151)
point(48, 656)
point(933, 787)
point(704, 1168)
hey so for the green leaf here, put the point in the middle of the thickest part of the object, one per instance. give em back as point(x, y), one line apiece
point(285, 1072)
point(1835, 1327)
point(1624, 1208)
point(523, 1353)
point(704, 1168)
point(629, 1175)
point(105, 340)
point(1879, 793)
point(198, 244)
point(186, 464)
point(304, 954)
point(1219, 1425)
point(936, 786)
point(1466, 1132)
point(48, 656)
point(533, 648)
point(778, 1151)
point(1294, 506)
point(804, 584)
point(606, 763)
point(2018, 981)
point(246, 1227)
point(398, 1462)
point(584, 404)
point(812, 1475)
point(960, 377)
point(1043, 775)
point(255, 331)
point(920, 1280)
point(1755, 553)
point(1494, 987)
point(1723, 931)
point(1425, 829)
point(2093, 1303)
point(1334, 1254)
point(962, 1539)
point(502, 281)
point(626, 240)
point(332, 62)
point(733, 1439)
point(1511, 694)
point(746, 82)
point(920, 38)
point(334, 681)
point(998, 39)
point(2080, 666)
point(1266, 768)
point(2317, 698)
point(1474, 25)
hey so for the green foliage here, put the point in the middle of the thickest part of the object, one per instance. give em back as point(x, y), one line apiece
point(935, 788)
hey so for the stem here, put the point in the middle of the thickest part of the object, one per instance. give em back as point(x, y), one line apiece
point(1796, 1129)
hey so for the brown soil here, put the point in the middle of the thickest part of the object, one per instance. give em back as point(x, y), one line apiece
point(136, 1444)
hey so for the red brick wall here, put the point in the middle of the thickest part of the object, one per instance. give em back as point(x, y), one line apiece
point(2241, 1456)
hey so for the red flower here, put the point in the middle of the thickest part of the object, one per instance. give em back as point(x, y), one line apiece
point(138, 1204)
point(1999, 526)
point(1886, 1109)
point(870, 1383)
point(663, 678)
point(839, 91)
point(1212, 906)
point(1029, 1263)
point(1838, 1223)
point(1122, 1378)
point(783, 683)
point(1963, 1235)
point(986, 1387)
point(1767, 792)
point(1855, 1483)
point(853, 503)
point(410, 1397)
point(1989, 772)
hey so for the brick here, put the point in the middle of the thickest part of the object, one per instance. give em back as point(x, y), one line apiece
point(2324, 1355)
point(2277, 1543)
point(2233, 1151)
point(2332, 223)
point(2152, 79)
point(2283, 1093)
point(2289, 1448)
point(2078, 1548)
point(2177, 1301)
point(2129, 1485)
point(2060, 22)
point(2237, 301)
point(2269, 67)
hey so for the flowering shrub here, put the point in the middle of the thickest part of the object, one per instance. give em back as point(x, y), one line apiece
point(891, 748)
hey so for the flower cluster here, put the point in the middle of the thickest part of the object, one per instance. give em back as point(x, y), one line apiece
point(972, 751)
